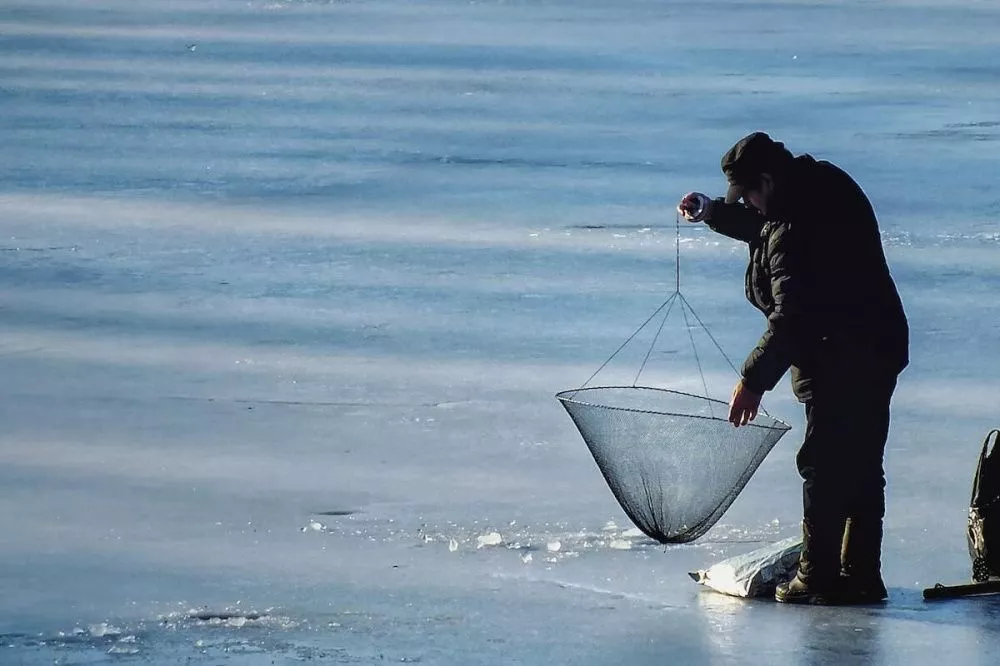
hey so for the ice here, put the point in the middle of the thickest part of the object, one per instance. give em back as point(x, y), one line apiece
point(489, 539)
point(284, 308)
point(103, 629)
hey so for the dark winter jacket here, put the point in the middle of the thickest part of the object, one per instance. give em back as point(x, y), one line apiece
point(818, 272)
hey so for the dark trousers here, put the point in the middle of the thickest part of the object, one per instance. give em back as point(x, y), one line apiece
point(840, 462)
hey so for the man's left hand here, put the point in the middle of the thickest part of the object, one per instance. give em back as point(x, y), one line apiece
point(743, 405)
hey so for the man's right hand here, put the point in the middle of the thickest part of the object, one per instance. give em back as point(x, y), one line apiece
point(694, 207)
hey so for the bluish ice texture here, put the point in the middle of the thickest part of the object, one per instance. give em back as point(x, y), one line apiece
point(287, 287)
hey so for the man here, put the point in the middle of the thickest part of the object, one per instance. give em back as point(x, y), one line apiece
point(818, 273)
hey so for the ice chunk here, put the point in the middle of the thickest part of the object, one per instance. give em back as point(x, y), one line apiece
point(553, 546)
point(103, 629)
point(490, 539)
point(314, 526)
point(452, 545)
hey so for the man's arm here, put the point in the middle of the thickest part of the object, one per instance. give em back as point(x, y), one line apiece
point(786, 325)
point(734, 220)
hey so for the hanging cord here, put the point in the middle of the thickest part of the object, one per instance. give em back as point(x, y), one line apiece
point(709, 333)
point(684, 303)
point(666, 304)
point(677, 252)
point(687, 323)
point(655, 338)
point(697, 360)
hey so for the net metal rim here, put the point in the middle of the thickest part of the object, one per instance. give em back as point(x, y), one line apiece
point(569, 396)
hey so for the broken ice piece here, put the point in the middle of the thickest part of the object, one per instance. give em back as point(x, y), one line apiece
point(314, 526)
point(620, 544)
point(103, 629)
point(553, 546)
point(491, 539)
point(452, 545)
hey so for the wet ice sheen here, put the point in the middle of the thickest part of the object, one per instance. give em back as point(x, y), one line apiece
point(287, 287)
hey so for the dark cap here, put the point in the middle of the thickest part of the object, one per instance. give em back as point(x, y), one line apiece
point(752, 155)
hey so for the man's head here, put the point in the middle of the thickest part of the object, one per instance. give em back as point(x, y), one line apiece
point(753, 167)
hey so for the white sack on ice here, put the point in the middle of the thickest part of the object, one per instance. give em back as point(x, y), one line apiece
point(753, 574)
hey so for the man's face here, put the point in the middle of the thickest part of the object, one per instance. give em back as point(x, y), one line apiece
point(757, 199)
point(760, 193)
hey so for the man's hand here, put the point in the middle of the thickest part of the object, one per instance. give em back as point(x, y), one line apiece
point(743, 405)
point(694, 206)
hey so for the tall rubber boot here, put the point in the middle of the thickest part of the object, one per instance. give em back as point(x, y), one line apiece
point(861, 560)
point(818, 579)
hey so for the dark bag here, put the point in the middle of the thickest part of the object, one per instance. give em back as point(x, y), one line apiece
point(984, 513)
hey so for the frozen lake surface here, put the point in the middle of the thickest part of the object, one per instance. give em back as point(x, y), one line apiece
point(287, 288)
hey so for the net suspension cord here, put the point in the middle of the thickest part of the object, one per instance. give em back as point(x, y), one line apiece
point(697, 360)
point(656, 337)
point(677, 253)
point(667, 305)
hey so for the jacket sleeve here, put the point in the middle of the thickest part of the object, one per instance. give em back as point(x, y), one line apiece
point(786, 325)
point(735, 220)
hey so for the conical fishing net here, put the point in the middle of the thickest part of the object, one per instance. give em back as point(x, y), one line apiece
point(672, 461)
point(672, 465)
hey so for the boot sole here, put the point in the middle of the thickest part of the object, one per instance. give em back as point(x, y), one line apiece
point(821, 600)
point(809, 600)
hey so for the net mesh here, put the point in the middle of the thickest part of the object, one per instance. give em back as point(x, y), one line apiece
point(672, 460)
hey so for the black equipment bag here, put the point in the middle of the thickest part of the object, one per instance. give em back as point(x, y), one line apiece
point(984, 513)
